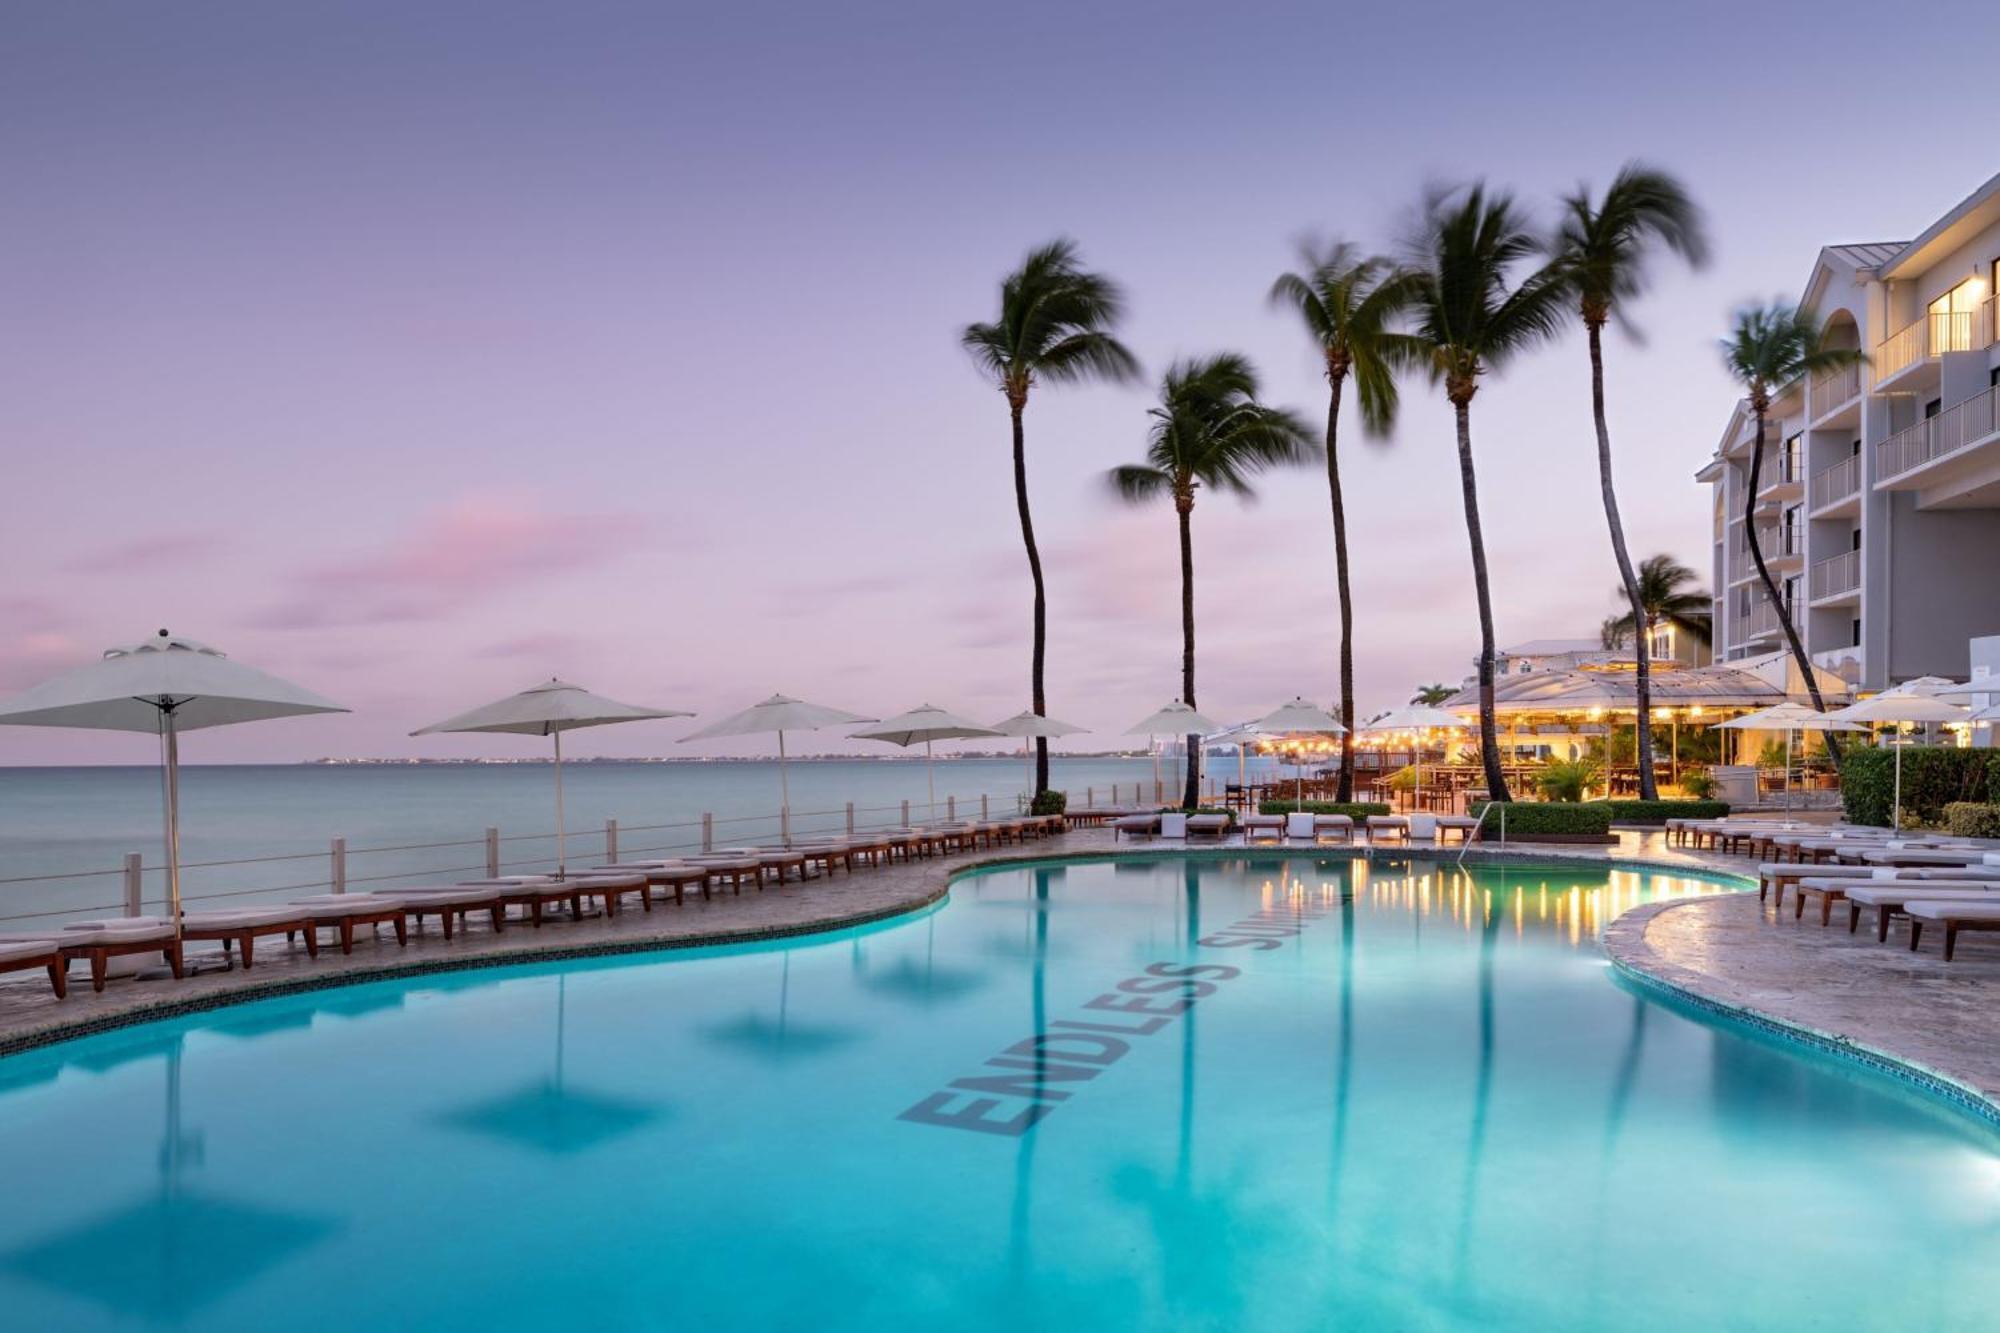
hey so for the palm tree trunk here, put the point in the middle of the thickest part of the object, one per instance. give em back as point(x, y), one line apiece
point(1770, 585)
point(1642, 652)
point(1489, 741)
point(1345, 790)
point(1038, 696)
point(1191, 797)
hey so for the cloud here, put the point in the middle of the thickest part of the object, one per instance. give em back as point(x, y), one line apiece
point(531, 645)
point(35, 642)
point(150, 554)
point(468, 552)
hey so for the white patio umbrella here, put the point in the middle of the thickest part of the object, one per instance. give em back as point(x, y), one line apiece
point(1299, 718)
point(1176, 719)
point(1417, 719)
point(1029, 725)
point(924, 723)
point(1789, 717)
point(1912, 701)
point(780, 714)
point(549, 710)
point(165, 685)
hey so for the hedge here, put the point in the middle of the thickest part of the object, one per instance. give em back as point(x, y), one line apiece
point(1531, 817)
point(1354, 809)
point(1050, 802)
point(1658, 812)
point(1934, 776)
point(1972, 819)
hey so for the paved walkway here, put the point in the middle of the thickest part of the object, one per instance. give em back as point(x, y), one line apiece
point(1880, 998)
point(1907, 1007)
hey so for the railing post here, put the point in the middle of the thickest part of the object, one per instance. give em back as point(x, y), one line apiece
point(984, 809)
point(850, 819)
point(785, 825)
point(611, 841)
point(492, 853)
point(906, 814)
point(135, 885)
point(1090, 796)
point(338, 879)
point(707, 831)
point(951, 807)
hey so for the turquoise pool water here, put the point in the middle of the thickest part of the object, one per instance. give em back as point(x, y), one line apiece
point(1275, 1093)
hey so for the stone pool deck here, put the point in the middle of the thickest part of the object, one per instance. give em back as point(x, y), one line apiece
point(1842, 990)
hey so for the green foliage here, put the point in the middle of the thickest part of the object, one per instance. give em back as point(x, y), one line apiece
point(1566, 779)
point(1772, 755)
point(1525, 818)
point(1658, 812)
point(1049, 803)
point(1972, 819)
point(1355, 809)
point(1934, 776)
point(1698, 783)
point(1404, 778)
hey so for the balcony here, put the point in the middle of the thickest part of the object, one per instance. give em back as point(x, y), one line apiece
point(1833, 392)
point(1907, 358)
point(1783, 476)
point(1759, 622)
point(1781, 546)
point(1838, 579)
point(1837, 489)
point(1953, 459)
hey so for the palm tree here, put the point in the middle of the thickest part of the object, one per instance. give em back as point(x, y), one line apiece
point(1055, 327)
point(1768, 348)
point(1473, 318)
point(1432, 695)
point(1602, 249)
point(1208, 430)
point(1349, 304)
point(1664, 599)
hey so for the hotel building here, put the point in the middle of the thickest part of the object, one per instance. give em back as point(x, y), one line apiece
point(1879, 503)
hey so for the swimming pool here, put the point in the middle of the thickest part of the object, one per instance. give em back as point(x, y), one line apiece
point(1263, 1092)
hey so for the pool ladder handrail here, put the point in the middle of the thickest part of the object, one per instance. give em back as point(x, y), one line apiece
point(1480, 828)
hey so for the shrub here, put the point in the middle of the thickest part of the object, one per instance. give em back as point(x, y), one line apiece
point(1355, 809)
point(1532, 817)
point(1657, 812)
point(1698, 783)
point(1934, 776)
point(1567, 779)
point(1050, 803)
point(1972, 819)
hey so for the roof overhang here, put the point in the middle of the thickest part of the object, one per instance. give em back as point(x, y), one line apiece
point(1979, 210)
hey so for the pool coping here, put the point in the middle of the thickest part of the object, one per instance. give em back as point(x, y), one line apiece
point(1633, 960)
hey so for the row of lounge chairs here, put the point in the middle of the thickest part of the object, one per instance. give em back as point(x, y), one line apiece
point(1953, 883)
point(1299, 826)
point(521, 899)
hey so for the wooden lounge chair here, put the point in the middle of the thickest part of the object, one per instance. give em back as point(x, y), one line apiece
point(22, 954)
point(610, 886)
point(342, 912)
point(672, 875)
point(1953, 916)
point(1465, 826)
point(1260, 825)
point(241, 927)
point(1135, 826)
point(1211, 827)
point(450, 903)
point(1340, 828)
point(731, 870)
point(114, 937)
point(1384, 828)
point(1890, 897)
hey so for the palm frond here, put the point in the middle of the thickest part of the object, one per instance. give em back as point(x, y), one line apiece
point(1137, 483)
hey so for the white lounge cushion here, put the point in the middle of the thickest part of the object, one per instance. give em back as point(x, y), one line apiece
point(15, 952)
point(1872, 895)
point(240, 918)
point(1301, 824)
point(1173, 826)
point(1937, 909)
point(1423, 826)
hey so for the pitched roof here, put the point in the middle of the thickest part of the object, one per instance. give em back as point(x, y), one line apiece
point(1868, 254)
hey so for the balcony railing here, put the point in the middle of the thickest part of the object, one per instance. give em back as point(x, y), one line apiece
point(1955, 428)
point(1782, 467)
point(1833, 390)
point(1842, 574)
point(1837, 483)
point(1933, 335)
point(1759, 620)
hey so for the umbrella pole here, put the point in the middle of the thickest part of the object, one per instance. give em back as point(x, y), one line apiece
point(1896, 809)
point(562, 860)
point(930, 779)
point(171, 802)
point(1788, 772)
point(784, 794)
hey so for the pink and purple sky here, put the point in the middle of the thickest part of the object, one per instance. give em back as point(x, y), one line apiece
point(419, 352)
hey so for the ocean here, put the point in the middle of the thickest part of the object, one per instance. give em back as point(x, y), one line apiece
point(65, 832)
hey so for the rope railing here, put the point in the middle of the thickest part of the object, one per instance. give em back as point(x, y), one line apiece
point(142, 876)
